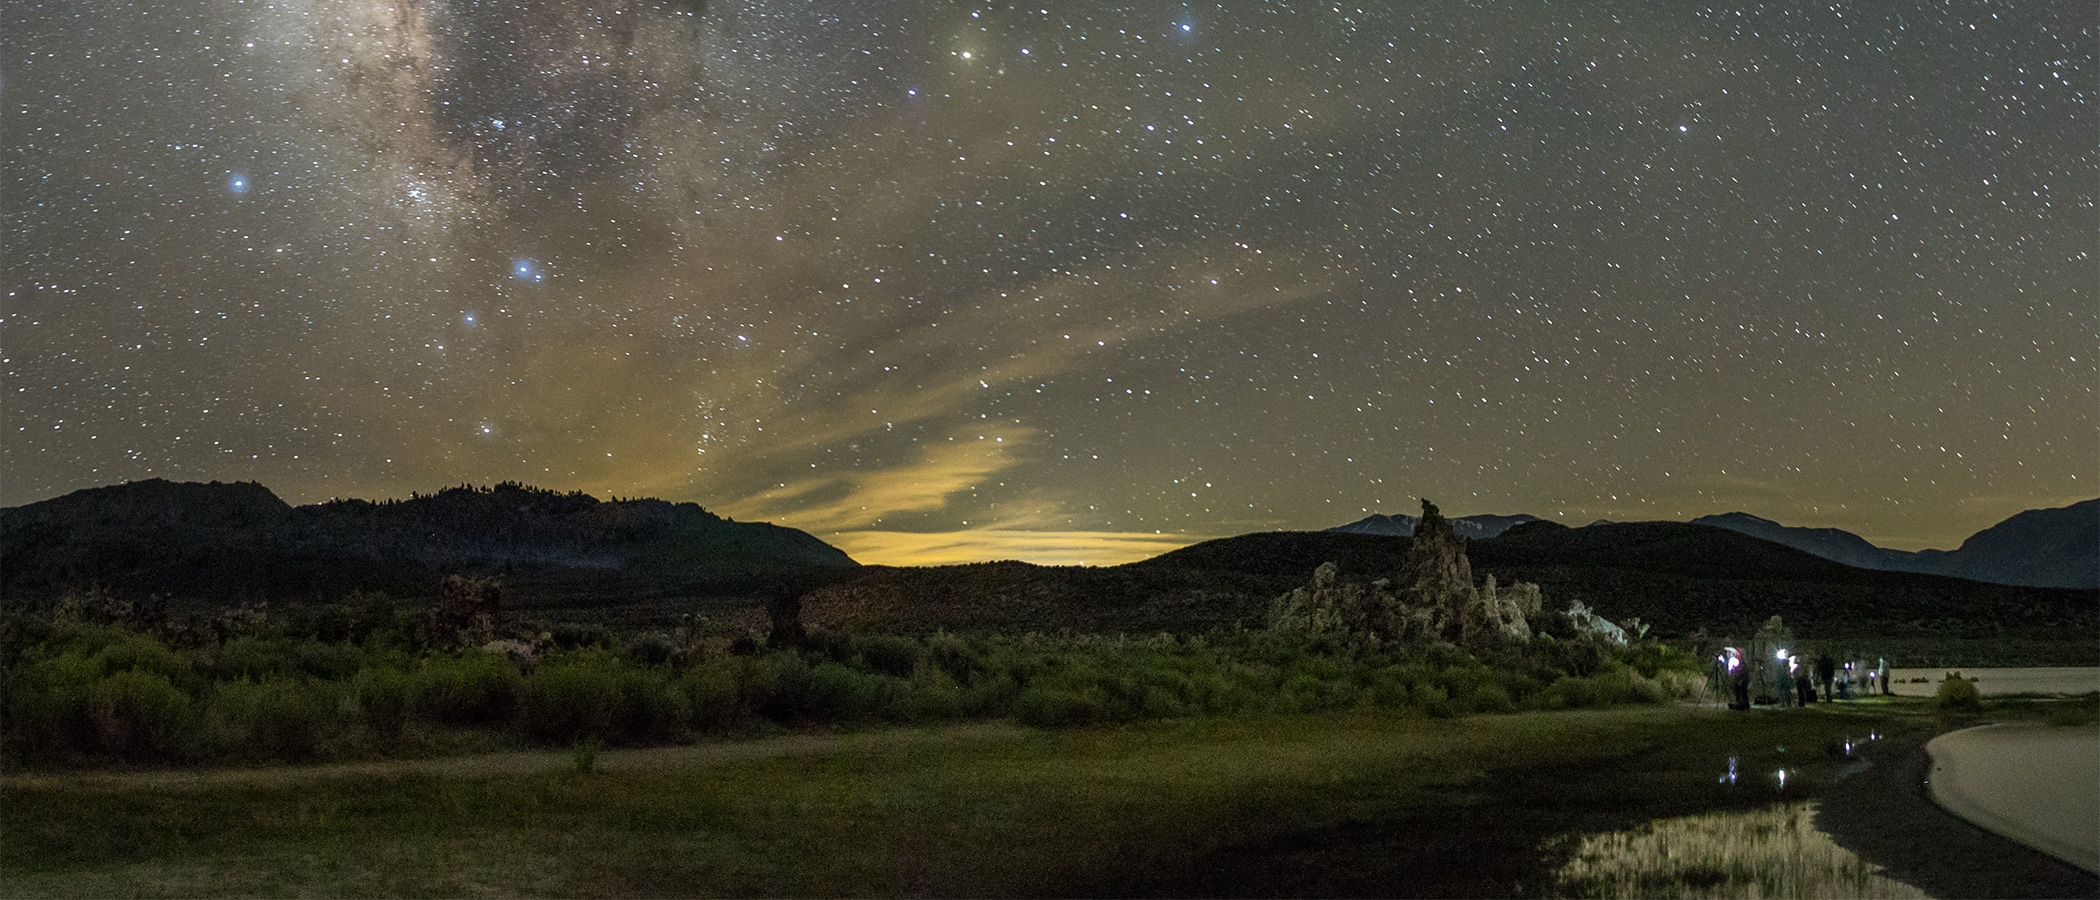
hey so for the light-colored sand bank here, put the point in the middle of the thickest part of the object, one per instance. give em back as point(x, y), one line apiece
point(2000, 682)
point(2036, 784)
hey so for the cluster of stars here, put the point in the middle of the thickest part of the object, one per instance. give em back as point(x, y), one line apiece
point(899, 272)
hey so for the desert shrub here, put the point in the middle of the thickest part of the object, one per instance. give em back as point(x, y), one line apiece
point(330, 661)
point(274, 718)
point(955, 657)
point(382, 701)
point(1683, 686)
point(1568, 692)
point(1043, 706)
point(575, 636)
point(932, 695)
point(1432, 699)
point(711, 695)
point(991, 694)
point(651, 650)
point(471, 689)
point(569, 701)
point(142, 653)
point(1958, 694)
point(888, 654)
point(250, 657)
point(844, 695)
point(778, 686)
point(1492, 698)
point(651, 707)
point(49, 704)
point(140, 715)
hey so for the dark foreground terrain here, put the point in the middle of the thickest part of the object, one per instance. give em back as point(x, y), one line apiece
point(1346, 804)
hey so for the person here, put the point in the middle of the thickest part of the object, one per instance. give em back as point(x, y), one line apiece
point(1826, 672)
point(1881, 674)
point(1804, 687)
point(1741, 674)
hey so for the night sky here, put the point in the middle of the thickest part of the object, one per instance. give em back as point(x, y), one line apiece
point(1081, 282)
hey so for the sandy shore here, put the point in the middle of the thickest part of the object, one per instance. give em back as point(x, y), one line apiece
point(1883, 814)
point(2035, 784)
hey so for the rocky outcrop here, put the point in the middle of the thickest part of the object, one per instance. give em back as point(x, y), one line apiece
point(1435, 574)
point(1583, 620)
point(1433, 598)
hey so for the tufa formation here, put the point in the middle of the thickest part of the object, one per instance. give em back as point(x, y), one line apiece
point(1432, 599)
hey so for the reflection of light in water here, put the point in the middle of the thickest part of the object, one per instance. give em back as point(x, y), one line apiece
point(1782, 778)
point(1730, 777)
point(1848, 746)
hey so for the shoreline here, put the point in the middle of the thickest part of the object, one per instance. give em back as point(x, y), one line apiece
point(1883, 814)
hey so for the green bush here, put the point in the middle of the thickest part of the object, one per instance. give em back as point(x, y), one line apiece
point(277, 718)
point(333, 662)
point(479, 689)
point(49, 706)
point(571, 701)
point(1048, 707)
point(142, 653)
point(711, 696)
point(1958, 694)
point(140, 715)
point(253, 658)
point(651, 707)
point(382, 700)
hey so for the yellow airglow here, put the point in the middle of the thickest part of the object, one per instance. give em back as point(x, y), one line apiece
point(1050, 548)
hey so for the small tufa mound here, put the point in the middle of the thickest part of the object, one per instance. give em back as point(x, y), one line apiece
point(469, 609)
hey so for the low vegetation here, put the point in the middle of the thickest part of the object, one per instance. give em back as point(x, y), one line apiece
point(1353, 803)
point(368, 679)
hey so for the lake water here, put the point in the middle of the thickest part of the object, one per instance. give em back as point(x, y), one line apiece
point(1996, 682)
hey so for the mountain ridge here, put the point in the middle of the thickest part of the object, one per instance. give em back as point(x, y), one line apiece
point(232, 541)
point(2053, 547)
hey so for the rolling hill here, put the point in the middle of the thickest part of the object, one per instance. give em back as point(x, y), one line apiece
point(224, 543)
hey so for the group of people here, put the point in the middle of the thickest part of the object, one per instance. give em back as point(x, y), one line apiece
point(1796, 683)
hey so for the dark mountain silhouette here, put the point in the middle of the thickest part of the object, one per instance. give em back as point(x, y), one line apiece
point(2040, 547)
point(1472, 527)
point(636, 560)
point(232, 542)
point(1679, 577)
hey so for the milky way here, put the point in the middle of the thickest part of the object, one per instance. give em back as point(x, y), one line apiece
point(1078, 282)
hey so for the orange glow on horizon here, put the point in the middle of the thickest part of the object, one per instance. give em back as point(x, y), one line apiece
point(1049, 548)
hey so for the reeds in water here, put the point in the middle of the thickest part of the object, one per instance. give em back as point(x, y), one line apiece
point(1772, 852)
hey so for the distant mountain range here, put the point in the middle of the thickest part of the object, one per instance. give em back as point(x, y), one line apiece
point(2037, 548)
point(1471, 527)
point(2040, 547)
point(572, 557)
point(1679, 577)
point(224, 543)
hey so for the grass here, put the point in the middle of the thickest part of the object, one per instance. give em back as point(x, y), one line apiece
point(1771, 852)
point(978, 809)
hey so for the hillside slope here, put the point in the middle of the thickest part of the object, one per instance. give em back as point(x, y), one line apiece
point(226, 543)
point(2038, 548)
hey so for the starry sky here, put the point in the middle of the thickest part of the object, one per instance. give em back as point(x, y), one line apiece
point(1071, 282)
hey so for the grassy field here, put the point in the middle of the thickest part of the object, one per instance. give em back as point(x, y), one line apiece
point(1354, 802)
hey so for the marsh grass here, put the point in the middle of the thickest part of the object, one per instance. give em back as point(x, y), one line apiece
point(1770, 852)
point(986, 809)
